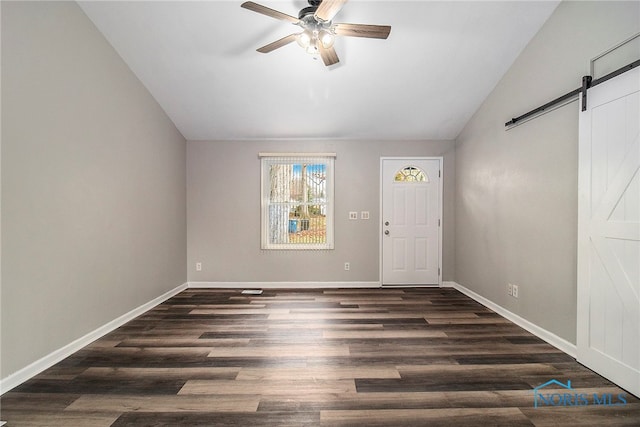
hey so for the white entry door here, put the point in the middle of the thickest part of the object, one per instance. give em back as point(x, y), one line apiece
point(608, 333)
point(411, 218)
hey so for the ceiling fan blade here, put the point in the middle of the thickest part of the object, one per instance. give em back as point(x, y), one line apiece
point(328, 55)
point(278, 43)
point(363, 30)
point(328, 9)
point(255, 7)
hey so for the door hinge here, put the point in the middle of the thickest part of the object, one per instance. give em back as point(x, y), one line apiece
point(439, 174)
point(438, 223)
point(438, 271)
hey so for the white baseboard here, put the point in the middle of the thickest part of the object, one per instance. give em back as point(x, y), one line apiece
point(543, 334)
point(56, 356)
point(283, 285)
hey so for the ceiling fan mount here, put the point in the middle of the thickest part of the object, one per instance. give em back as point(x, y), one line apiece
point(318, 30)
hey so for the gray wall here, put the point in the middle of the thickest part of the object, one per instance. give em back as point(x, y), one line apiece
point(516, 190)
point(223, 205)
point(93, 184)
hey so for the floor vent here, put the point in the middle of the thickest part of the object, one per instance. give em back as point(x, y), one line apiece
point(252, 292)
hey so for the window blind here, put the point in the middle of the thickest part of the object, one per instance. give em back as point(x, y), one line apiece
point(297, 201)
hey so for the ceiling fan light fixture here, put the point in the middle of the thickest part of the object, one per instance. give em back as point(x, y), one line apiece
point(312, 49)
point(327, 38)
point(304, 39)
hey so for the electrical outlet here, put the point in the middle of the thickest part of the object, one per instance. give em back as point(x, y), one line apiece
point(353, 215)
point(510, 289)
point(347, 266)
point(364, 215)
point(198, 266)
point(515, 291)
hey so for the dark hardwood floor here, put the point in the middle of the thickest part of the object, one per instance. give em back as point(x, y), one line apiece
point(371, 357)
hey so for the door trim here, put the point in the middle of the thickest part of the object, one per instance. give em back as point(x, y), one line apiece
point(440, 160)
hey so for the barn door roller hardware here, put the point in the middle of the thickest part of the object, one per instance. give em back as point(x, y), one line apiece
point(587, 82)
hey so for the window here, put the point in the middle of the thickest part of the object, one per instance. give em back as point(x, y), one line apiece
point(411, 174)
point(297, 201)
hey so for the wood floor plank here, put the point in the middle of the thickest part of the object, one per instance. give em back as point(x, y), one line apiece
point(253, 304)
point(35, 419)
point(519, 370)
point(165, 373)
point(440, 383)
point(322, 373)
point(508, 358)
point(365, 315)
point(218, 419)
point(233, 310)
point(104, 343)
point(397, 359)
point(191, 341)
point(281, 351)
point(511, 335)
point(181, 403)
point(268, 387)
point(437, 320)
point(448, 416)
point(382, 334)
point(454, 314)
point(442, 350)
point(102, 385)
point(398, 303)
point(61, 373)
point(326, 326)
point(31, 402)
point(352, 401)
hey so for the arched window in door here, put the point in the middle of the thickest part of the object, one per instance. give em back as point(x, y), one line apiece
point(411, 174)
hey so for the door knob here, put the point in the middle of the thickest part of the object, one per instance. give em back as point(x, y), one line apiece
point(386, 223)
point(386, 232)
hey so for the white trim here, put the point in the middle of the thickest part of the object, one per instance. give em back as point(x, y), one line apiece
point(297, 155)
point(28, 372)
point(543, 334)
point(440, 233)
point(441, 225)
point(394, 285)
point(283, 285)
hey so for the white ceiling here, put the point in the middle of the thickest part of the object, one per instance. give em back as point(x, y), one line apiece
point(425, 81)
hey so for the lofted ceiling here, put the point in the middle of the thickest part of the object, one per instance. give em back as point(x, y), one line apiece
point(199, 61)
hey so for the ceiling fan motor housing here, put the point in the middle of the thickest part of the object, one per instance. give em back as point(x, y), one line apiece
point(311, 10)
point(307, 11)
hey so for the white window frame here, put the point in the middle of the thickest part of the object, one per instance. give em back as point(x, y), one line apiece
point(268, 159)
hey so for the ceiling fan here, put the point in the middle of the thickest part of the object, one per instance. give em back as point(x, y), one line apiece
point(318, 30)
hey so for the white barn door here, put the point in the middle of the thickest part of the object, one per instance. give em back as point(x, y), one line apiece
point(411, 219)
point(608, 332)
